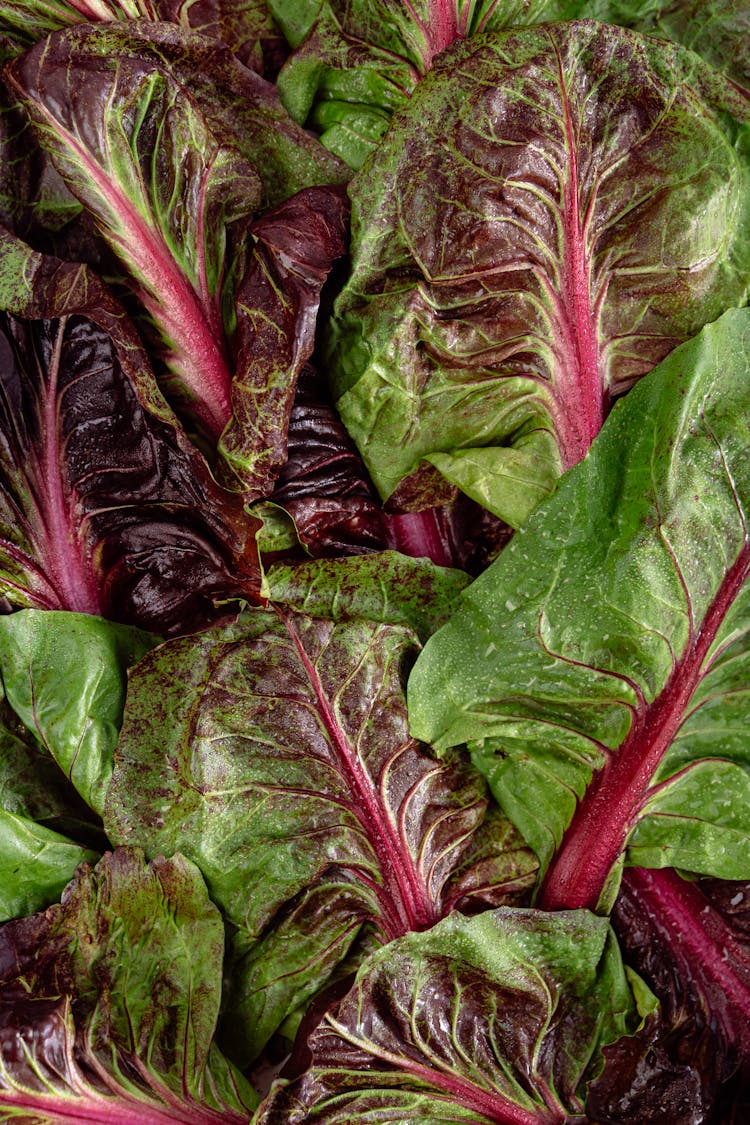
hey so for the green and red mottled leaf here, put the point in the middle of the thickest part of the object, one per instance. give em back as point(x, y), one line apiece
point(582, 207)
point(247, 27)
point(599, 667)
point(109, 1002)
point(275, 754)
point(166, 163)
point(497, 1020)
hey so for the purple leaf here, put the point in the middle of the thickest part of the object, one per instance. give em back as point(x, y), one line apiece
point(173, 166)
point(323, 483)
point(105, 507)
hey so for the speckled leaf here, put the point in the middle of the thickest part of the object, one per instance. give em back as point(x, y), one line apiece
point(600, 666)
point(275, 754)
point(246, 26)
point(109, 1002)
point(554, 211)
point(357, 62)
point(388, 587)
point(497, 1019)
point(276, 301)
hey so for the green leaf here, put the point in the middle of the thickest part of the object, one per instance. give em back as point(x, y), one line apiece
point(498, 1018)
point(35, 865)
point(387, 586)
point(600, 666)
point(64, 675)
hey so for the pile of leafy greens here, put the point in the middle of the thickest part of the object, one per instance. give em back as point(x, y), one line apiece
point(374, 545)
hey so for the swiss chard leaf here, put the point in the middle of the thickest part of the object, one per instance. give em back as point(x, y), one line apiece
point(36, 864)
point(105, 507)
point(33, 786)
point(150, 152)
point(691, 942)
point(109, 1001)
point(247, 27)
point(275, 754)
point(600, 665)
point(566, 231)
point(716, 29)
point(323, 484)
point(359, 61)
point(64, 675)
point(495, 1019)
point(387, 587)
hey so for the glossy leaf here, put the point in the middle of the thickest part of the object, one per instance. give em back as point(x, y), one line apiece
point(105, 507)
point(64, 675)
point(564, 233)
point(33, 786)
point(35, 865)
point(498, 1019)
point(171, 186)
point(276, 306)
point(388, 587)
point(275, 754)
point(691, 941)
point(358, 62)
point(600, 665)
point(80, 1034)
point(323, 483)
point(246, 27)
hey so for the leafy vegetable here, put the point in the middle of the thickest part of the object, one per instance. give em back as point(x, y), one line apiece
point(169, 184)
point(564, 235)
point(105, 508)
point(286, 772)
point(64, 676)
point(525, 1001)
point(600, 682)
point(81, 1035)
point(196, 382)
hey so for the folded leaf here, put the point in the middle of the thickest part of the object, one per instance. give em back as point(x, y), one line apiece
point(600, 665)
point(495, 1019)
point(564, 233)
point(275, 754)
point(276, 303)
point(33, 786)
point(109, 1001)
point(105, 507)
point(323, 483)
